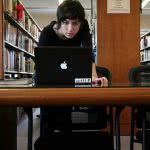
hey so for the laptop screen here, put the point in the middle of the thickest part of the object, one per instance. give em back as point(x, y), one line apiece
point(63, 66)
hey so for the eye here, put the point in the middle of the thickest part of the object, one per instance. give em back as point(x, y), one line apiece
point(65, 22)
point(75, 23)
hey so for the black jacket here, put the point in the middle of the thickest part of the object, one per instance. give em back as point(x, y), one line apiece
point(48, 37)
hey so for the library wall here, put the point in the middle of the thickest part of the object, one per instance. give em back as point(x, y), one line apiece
point(145, 22)
point(119, 47)
point(44, 19)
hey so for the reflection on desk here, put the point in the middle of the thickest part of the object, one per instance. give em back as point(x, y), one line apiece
point(16, 82)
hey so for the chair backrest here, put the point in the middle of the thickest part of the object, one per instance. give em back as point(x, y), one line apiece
point(92, 117)
point(140, 76)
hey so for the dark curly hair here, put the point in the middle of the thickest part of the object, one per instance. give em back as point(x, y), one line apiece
point(70, 9)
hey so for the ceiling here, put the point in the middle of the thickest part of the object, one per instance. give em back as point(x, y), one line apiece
point(38, 6)
point(43, 11)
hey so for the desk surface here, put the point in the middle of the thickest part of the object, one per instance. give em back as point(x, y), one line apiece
point(73, 96)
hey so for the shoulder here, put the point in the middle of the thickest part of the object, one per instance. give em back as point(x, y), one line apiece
point(49, 27)
point(85, 26)
point(47, 34)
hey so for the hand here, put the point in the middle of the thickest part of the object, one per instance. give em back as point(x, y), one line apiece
point(103, 82)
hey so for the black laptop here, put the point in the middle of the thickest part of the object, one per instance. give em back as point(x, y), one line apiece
point(63, 66)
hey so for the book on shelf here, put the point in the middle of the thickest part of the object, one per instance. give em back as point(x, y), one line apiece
point(23, 81)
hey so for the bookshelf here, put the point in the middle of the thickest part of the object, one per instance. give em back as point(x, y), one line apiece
point(20, 36)
point(145, 49)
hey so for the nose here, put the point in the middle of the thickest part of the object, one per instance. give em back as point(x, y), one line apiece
point(70, 27)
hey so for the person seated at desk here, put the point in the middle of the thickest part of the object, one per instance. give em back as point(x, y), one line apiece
point(70, 29)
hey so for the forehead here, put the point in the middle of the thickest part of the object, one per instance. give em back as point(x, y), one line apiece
point(72, 20)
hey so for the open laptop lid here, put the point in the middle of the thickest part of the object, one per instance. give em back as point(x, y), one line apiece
point(63, 66)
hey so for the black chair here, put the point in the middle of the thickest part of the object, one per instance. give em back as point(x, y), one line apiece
point(118, 111)
point(85, 124)
point(140, 77)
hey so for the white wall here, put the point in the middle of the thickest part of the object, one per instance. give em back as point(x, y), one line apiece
point(145, 22)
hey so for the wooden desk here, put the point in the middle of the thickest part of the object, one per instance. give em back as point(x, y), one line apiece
point(67, 96)
point(74, 96)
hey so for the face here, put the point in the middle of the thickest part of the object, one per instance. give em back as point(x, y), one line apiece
point(70, 28)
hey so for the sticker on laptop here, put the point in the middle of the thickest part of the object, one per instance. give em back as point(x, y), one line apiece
point(82, 80)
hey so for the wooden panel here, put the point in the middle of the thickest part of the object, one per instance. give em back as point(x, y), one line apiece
point(119, 47)
point(118, 41)
point(125, 121)
point(1, 39)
